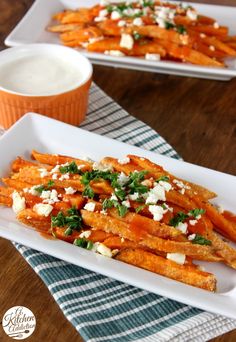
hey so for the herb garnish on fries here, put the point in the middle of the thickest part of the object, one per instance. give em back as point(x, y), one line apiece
point(130, 209)
point(151, 29)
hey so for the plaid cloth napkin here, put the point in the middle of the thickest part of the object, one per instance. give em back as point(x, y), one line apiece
point(103, 309)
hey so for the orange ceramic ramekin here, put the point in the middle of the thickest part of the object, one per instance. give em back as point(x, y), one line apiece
point(68, 104)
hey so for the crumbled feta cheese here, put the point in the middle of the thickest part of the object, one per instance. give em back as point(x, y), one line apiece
point(113, 197)
point(43, 209)
point(216, 25)
point(115, 15)
point(103, 13)
point(126, 203)
point(198, 217)
point(124, 160)
point(182, 191)
point(191, 237)
point(99, 19)
point(32, 190)
point(122, 179)
point(65, 176)
point(86, 234)
point(90, 206)
point(180, 184)
point(114, 53)
point(202, 35)
point(192, 222)
point(152, 56)
point(50, 197)
point(176, 257)
point(102, 167)
point(220, 209)
point(70, 190)
point(129, 12)
point(103, 212)
point(104, 250)
point(54, 176)
point(160, 22)
point(127, 41)
point(91, 41)
point(45, 194)
point(43, 172)
point(122, 23)
point(182, 227)
point(114, 252)
point(18, 202)
point(134, 196)
point(166, 185)
point(137, 22)
point(212, 48)
point(157, 211)
point(156, 194)
point(192, 15)
point(55, 169)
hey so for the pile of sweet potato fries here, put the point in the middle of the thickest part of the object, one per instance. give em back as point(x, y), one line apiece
point(130, 209)
point(146, 28)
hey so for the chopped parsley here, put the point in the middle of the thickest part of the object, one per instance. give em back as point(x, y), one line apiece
point(180, 217)
point(163, 179)
point(137, 36)
point(42, 188)
point(70, 168)
point(200, 240)
point(196, 212)
point(109, 203)
point(73, 221)
point(134, 184)
point(140, 208)
point(181, 29)
point(169, 25)
point(89, 176)
point(147, 3)
point(87, 244)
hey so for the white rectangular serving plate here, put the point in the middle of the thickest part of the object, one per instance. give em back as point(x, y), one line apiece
point(34, 131)
point(32, 29)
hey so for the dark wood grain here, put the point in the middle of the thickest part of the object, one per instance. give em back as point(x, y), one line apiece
point(197, 117)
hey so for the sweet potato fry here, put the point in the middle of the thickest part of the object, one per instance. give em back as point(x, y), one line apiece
point(168, 268)
point(157, 171)
point(83, 15)
point(55, 159)
point(224, 226)
point(223, 249)
point(32, 219)
point(20, 163)
point(5, 201)
point(82, 35)
point(117, 227)
point(65, 28)
point(187, 54)
point(144, 223)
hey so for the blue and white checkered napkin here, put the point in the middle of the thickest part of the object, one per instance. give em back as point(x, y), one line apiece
point(103, 309)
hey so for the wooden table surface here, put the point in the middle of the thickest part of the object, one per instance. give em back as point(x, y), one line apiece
point(197, 117)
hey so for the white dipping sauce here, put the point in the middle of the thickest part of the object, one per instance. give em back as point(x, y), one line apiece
point(39, 75)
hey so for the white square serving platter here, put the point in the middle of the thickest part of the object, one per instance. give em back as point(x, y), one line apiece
point(32, 29)
point(34, 131)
